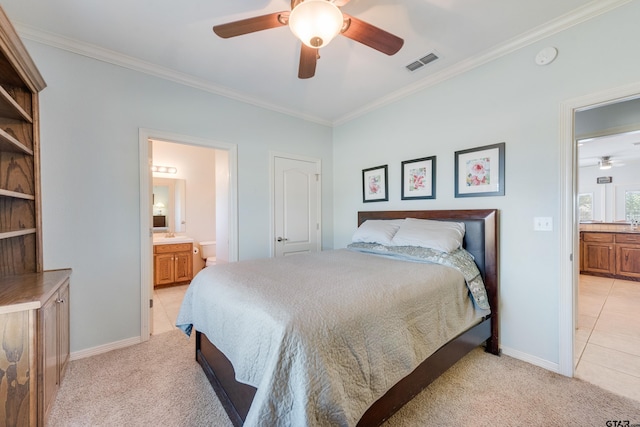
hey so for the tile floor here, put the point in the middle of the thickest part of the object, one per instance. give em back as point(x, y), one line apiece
point(166, 304)
point(607, 341)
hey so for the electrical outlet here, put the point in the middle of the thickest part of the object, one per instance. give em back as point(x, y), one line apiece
point(543, 223)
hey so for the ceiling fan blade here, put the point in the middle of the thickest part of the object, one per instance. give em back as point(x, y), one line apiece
point(251, 25)
point(372, 36)
point(308, 60)
point(340, 3)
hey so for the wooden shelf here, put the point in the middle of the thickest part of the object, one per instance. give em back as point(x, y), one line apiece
point(9, 143)
point(10, 109)
point(34, 305)
point(16, 195)
point(23, 232)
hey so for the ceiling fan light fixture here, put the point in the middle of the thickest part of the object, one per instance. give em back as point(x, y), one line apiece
point(605, 163)
point(316, 22)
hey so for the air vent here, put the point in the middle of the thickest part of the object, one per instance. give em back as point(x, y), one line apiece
point(422, 61)
point(414, 65)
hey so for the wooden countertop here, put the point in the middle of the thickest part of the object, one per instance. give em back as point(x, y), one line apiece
point(29, 291)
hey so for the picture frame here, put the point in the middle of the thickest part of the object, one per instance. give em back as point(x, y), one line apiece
point(374, 184)
point(479, 172)
point(418, 178)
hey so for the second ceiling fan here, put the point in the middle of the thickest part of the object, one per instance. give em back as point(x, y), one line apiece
point(315, 23)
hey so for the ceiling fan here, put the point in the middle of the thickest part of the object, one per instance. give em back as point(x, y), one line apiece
point(315, 23)
point(606, 162)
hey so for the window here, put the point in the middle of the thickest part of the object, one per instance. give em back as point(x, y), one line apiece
point(585, 206)
point(632, 204)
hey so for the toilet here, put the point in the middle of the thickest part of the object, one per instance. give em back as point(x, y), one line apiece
point(208, 252)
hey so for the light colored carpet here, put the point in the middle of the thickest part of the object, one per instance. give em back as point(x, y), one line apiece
point(159, 383)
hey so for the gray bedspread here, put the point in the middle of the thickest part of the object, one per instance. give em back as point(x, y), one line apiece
point(322, 336)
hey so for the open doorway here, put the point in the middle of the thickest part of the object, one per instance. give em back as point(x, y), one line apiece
point(570, 234)
point(607, 345)
point(212, 184)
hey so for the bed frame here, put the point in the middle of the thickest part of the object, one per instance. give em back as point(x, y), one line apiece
point(480, 240)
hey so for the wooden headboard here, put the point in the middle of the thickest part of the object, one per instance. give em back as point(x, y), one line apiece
point(481, 240)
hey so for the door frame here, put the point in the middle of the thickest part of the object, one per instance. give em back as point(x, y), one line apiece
point(569, 232)
point(272, 206)
point(146, 234)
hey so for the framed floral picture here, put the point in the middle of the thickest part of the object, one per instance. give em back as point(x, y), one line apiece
point(374, 184)
point(419, 178)
point(480, 171)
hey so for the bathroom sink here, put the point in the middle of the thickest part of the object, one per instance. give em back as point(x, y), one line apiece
point(163, 240)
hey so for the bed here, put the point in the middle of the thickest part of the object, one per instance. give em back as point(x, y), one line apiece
point(238, 395)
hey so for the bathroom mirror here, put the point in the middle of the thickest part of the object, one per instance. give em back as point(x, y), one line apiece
point(169, 205)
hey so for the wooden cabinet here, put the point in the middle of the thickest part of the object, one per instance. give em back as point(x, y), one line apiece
point(610, 254)
point(598, 253)
point(34, 330)
point(628, 255)
point(18, 342)
point(54, 342)
point(34, 305)
point(172, 264)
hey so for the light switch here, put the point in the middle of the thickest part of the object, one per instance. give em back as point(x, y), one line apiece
point(543, 223)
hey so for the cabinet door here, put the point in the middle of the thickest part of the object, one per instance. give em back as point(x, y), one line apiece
point(581, 253)
point(17, 386)
point(599, 257)
point(628, 260)
point(63, 330)
point(183, 267)
point(49, 330)
point(163, 272)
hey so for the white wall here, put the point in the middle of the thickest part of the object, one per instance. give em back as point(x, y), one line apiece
point(91, 114)
point(509, 100)
point(623, 177)
point(222, 207)
point(608, 119)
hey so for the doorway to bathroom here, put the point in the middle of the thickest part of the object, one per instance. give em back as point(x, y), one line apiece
point(204, 212)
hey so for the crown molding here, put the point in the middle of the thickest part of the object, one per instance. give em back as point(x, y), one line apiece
point(135, 64)
point(578, 16)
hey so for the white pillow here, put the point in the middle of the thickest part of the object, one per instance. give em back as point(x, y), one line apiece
point(377, 231)
point(443, 236)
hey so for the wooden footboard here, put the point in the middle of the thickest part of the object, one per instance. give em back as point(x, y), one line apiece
point(236, 397)
point(425, 374)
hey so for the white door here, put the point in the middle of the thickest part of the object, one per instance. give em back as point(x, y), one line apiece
point(296, 206)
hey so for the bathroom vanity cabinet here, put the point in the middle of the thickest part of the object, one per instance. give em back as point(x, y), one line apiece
point(172, 264)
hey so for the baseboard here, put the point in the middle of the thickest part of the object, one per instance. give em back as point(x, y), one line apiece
point(104, 348)
point(534, 360)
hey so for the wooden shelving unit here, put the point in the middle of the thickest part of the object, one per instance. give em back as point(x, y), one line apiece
point(10, 109)
point(20, 212)
point(34, 304)
point(9, 144)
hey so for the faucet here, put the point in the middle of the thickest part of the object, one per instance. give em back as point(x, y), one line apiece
point(170, 234)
